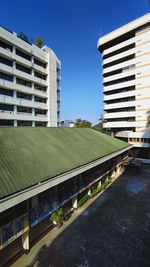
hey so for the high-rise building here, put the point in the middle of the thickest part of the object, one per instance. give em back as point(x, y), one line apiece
point(126, 80)
point(29, 82)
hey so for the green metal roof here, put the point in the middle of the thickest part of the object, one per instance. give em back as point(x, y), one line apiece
point(31, 155)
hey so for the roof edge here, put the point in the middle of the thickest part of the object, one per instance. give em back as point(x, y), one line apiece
point(18, 197)
point(124, 29)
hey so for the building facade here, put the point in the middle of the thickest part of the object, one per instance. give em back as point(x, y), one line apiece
point(126, 79)
point(29, 83)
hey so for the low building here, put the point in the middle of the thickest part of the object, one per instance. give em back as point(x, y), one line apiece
point(46, 168)
point(29, 83)
point(67, 123)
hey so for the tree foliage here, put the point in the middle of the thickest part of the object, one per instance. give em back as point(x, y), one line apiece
point(82, 124)
point(39, 42)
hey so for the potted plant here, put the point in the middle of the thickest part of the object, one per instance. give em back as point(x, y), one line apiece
point(57, 217)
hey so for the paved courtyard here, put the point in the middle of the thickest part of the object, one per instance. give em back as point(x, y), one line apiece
point(113, 230)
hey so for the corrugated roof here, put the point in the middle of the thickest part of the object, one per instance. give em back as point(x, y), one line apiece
point(31, 155)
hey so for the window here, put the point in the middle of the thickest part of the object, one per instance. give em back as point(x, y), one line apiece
point(6, 61)
point(40, 112)
point(39, 75)
point(22, 68)
point(5, 107)
point(39, 63)
point(41, 100)
point(6, 92)
point(22, 54)
point(24, 96)
point(24, 123)
point(6, 77)
point(23, 82)
point(24, 110)
point(41, 123)
point(39, 87)
point(6, 122)
point(6, 46)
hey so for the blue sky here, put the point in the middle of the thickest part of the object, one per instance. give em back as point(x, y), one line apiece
point(71, 28)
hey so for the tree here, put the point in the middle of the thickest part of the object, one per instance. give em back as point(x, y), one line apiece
point(82, 124)
point(99, 126)
point(39, 42)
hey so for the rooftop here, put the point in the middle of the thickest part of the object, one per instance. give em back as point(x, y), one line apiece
point(32, 155)
point(124, 29)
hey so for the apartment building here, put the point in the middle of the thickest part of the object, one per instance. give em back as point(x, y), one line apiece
point(126, 79)
point(29, 83)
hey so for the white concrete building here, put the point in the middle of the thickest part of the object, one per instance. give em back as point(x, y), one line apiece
point(67, 123)
point(126, 80)
point(29, 83)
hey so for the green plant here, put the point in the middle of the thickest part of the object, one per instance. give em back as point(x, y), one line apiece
point(94, 192)
point(57, 216)
point(39, 42)
point(83, 200)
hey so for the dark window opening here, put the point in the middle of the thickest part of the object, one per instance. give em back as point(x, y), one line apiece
point(22, 68)
point(24, 123)
point(39, 63)
point(121, 119)
point(6, 92)
point(5, 46)
point(120, 60)
point(127, 109)
point(39, 75)
point(41, 123)
point(119, 100)
point(5, 107)
point(41, 100)
point(6, 77)
point(39, 87)
point(117, 40)
point(122, 90)
point(118, 51)
point(40, 112)
point(22, 54)
point(6, 123)
point(121, 80)
point(23, 82)
point(6, 61)
point(24, 96)
point(24, 110)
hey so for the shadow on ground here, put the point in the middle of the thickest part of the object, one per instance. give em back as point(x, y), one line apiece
point(113, 231)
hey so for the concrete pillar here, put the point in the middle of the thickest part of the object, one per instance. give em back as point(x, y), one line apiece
point(15, 94)
point(33, 98)
point(33, 112)
point(15, 123)
point(89, 191)
point(33, 123)
point(25, 241)
point(14, 49)
point(15, 109)
point(75, 202)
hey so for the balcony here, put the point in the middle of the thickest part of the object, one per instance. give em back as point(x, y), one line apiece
point(119, 95)
point(40, 69)
point(124, 124)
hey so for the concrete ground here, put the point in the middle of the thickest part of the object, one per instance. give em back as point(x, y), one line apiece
point(111, 230)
